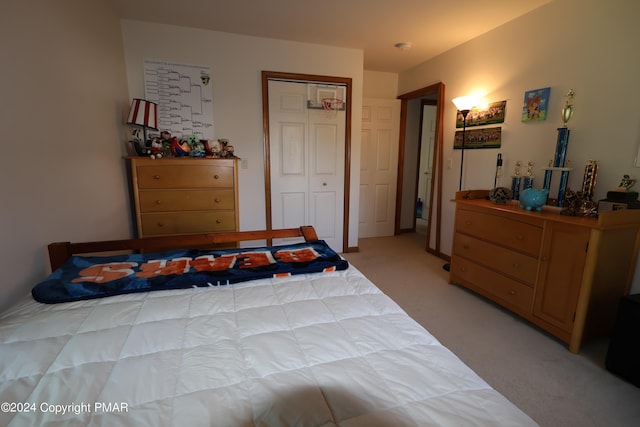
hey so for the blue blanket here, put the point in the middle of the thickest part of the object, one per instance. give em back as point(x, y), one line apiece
point(83, 277)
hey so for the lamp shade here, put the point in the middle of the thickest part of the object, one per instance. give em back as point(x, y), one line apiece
point(143, 113)
point(465, 102)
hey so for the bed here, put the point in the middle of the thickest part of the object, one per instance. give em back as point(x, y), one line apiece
point(324, 348)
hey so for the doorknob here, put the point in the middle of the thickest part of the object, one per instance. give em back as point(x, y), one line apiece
point(324, 184)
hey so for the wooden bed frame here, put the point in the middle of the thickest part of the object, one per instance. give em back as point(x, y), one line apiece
point(59, 252)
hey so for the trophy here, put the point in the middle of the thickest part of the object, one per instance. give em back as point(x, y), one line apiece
point(515, 182)
point(567, 110)
point(560, 156)
point(528, 179)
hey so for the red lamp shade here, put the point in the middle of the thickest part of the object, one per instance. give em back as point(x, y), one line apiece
point(143, 113)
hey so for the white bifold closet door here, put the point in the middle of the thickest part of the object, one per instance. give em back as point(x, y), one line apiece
point(307, 155)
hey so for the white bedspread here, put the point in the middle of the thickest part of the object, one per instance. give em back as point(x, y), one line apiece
point(316, 350)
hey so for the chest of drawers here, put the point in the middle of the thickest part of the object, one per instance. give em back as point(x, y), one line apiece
point(564, 274)
point(184, 195)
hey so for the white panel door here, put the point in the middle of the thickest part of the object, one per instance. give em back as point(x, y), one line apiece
point(379, 166)
point(307, 163)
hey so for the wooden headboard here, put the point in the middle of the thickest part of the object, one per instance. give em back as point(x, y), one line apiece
point(59, 252)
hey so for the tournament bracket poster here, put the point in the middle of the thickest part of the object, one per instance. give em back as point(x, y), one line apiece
point(184, 94)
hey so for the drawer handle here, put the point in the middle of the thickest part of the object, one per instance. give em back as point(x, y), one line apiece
point(158, 202)
point(156, 176)
point(519, 237)
point(463, 269)
point(218, 221)
point(160, 224)
point(216, 176)
point(512, 292)
point(515, 265)
point(467, 222)
point(216, 200)
point(465, 246)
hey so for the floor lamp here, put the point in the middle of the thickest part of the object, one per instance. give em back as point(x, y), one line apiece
point(464, 104)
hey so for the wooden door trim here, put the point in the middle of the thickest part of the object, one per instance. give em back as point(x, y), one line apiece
point(437, 159)
point(399, 180)
point(311, 78)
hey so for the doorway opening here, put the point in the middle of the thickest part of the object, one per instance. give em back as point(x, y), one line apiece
point(419, 187)
point(426, 148)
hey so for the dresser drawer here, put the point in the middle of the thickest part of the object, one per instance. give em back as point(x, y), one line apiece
point(177, 176)
point(518, 235)
point(514, 264)
point(185, 200)
point(187, 222)
point(510, 293)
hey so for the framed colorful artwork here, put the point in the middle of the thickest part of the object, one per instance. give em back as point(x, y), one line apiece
point(535, 105)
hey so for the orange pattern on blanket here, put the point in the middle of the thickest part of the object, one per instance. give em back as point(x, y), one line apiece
point(254, 259)
point(298, 255)
point(209, 263)
point(105, 272)
point(278, 275)
point(162, 267)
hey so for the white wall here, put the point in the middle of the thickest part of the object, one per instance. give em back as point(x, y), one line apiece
point(63, 91)
point(378, 84)
point(586, 45)
point(236, 64)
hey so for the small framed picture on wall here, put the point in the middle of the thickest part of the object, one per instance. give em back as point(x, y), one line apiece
point(535, 105)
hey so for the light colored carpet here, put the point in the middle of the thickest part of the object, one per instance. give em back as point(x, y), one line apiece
point(532, 369)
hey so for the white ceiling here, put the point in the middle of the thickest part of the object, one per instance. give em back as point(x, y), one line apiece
point(431, 26)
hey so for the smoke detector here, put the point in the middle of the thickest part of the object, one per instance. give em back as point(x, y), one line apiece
point(403, 45)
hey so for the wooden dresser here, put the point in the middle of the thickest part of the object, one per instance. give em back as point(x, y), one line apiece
point(174, 196)
point(564, 274)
